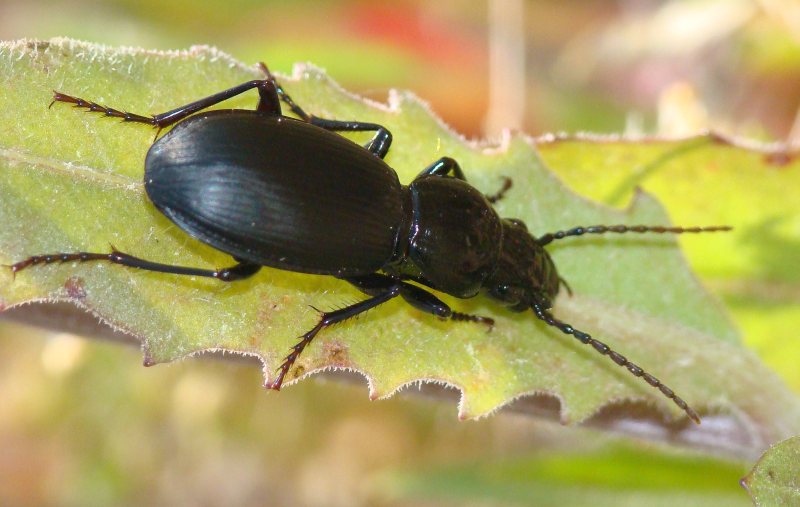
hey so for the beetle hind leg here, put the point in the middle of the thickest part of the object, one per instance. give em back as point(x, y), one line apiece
point(268, 103)
point(239, 271)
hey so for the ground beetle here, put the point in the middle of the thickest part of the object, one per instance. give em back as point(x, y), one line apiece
point(272, 190)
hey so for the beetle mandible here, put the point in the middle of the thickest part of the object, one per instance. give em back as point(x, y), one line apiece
point(293, 194)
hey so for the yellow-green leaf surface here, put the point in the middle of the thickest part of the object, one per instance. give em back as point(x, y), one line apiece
point(71, 180)
point(714, 179)
point(775, 479)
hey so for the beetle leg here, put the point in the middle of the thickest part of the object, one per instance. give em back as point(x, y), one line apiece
point(423, 300)
point(268, 103)
point(283, 95)
point(237, 272)
point(373, 284)
point(563, 282)
point(97, 108)
point(329, 319)
point(443, 167)
point(493, 198)
point(378, 145)
point(416, 296)
point(382, 288)
point(446, 165)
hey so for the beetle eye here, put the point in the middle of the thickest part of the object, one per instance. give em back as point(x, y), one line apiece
point(504, 293)
point(518, 223)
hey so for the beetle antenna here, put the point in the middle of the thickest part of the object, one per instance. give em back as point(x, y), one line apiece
point(621, 229)
point(618, 358)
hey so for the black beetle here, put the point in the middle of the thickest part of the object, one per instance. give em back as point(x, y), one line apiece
point(272, 190)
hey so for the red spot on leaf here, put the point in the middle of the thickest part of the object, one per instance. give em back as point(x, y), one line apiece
point(336, 353)
point(779, 158)
point(75, 289)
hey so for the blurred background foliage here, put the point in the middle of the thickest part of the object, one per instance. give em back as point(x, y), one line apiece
point(82, 423)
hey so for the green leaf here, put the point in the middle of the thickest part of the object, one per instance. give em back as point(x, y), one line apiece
point(611, 474)
point(714, 179)
point(775, 479)
point(71, 181)
point(708, 177)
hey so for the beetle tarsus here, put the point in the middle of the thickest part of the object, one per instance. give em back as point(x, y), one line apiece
point(466, 317)
point(57, 257)
point(93, 107)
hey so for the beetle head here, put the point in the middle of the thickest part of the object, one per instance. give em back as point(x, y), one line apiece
point(525, 273)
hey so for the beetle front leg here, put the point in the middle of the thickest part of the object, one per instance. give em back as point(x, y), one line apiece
point(423, 300)
point(416, 296)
